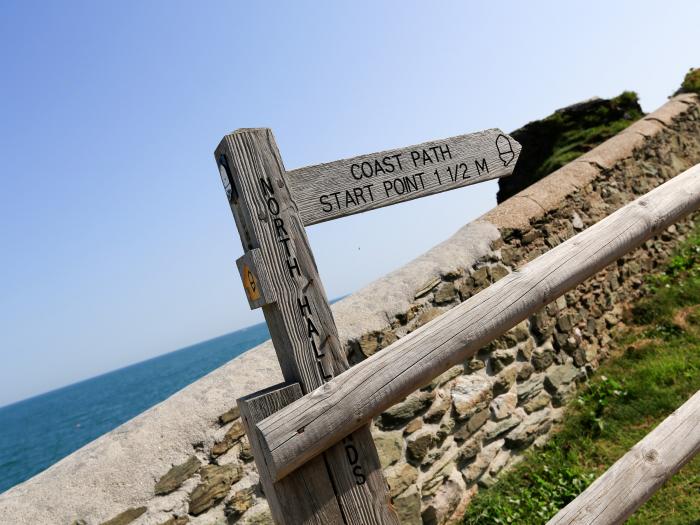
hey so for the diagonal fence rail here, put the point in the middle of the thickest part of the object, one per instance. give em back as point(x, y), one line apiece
point(300, 431)
point(634, 478)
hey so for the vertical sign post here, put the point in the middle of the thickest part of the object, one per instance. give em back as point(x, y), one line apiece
point(345, 484)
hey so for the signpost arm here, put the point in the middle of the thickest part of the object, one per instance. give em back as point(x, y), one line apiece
point(280, 275)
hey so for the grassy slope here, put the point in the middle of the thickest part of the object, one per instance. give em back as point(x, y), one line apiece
point(656, 368)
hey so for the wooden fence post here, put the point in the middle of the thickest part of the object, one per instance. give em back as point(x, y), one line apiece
point(346, 483)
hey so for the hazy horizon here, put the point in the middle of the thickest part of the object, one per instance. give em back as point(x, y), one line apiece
point(118, 243)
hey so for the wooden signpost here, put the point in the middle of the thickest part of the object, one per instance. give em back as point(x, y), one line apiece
point(345, 187)
point(345, 484)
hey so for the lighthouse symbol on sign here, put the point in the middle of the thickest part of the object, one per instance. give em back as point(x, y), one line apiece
point(505, 149)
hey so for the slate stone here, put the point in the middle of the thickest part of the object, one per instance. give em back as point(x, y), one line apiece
point(230, 415)
point(446, 293)
point(389, 447)
point(177, 475)
point(215, 484)
point(560, 375)
point(525, 371)
point(418, 444)
point(470, 394)
point(440, 405)
point(538, 402)
point(401, 413)
point(407, 505)
point(493, 429)
point(233, 435)
point(126, 517)
point(502, 357)
point(542, 357)
point(400, 477)
point(535, 425)
point(504, 380)
point(177, 520)
point(238, 503)
point(413, 426)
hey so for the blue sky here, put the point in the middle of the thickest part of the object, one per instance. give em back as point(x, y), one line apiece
point(117, 242)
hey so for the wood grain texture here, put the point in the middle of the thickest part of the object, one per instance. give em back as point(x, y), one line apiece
point(345, 187)
point(301, 325)
point(306, 496)
point(634, 478)
point(310, 425)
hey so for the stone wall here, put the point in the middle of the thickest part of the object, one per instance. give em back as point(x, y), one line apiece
point(187, 461)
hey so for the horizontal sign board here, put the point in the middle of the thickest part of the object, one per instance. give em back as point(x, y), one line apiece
point(345, 187)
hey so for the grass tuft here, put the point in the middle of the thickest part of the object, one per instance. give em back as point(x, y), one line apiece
point(655, 368)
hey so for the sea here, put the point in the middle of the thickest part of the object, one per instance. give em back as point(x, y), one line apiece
point(38, 432)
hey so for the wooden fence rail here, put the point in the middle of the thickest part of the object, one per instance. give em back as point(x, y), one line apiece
point(632, 480)
point(305, 428)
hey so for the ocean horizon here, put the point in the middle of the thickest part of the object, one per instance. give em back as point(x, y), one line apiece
point(39, 431)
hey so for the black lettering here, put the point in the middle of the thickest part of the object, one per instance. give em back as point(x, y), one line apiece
point(445, 150)
point(378, 168)
point(387, 186)
point(293, 266)
point(369, 189)
point(273, 206)
point(481, 167)
point(337, 201)
point(411, 182)
point(388, 165)
point(420, 178)
point(351, 452)
point(285, 243)
point(349, 199)
point(352, 172)
point(398, 160)
point(414, 157)
point(396, 188)
point(279, 227)
point(311, 328)
point(359, 476)
point(426, 158)
point(303, 307)
point(359, 196)
point(369, 167)
point(325, 203)
point(266, 186)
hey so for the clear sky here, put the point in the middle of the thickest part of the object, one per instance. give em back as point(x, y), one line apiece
point(116, 239)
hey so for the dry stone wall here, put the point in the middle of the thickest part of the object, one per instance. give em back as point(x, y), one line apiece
point(188, 461)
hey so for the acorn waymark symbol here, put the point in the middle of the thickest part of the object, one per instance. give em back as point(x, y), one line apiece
point(505, 149)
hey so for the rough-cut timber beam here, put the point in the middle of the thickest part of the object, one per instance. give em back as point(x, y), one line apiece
point(323, 417)
point(634, 478)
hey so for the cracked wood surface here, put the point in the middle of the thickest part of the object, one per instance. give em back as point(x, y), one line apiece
point(308, 426)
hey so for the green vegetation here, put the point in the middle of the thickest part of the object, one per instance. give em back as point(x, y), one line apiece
point(655, 369)
point(691, 83)
point(550, 143)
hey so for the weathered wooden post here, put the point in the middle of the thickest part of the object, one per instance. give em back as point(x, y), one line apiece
point(345, 484)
